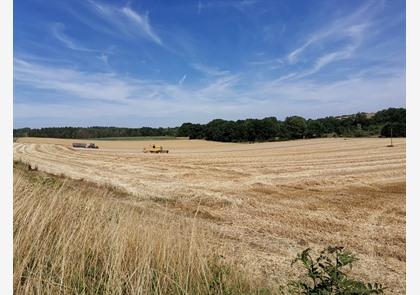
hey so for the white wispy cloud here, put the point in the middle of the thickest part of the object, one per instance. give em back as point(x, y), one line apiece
point(220, 88)
point(82, 85)
point(337, 39)
point(274, 63)
point(208, 70)
point(353, 33)
point(199, 6)
point(126, 20)
point(221, 95)
point(57, 30)
point(352, 25)
point(349, 30)
point(182, 79)
point(293, 56)
point(103, 58)
point(321, 62)
point(143, 22)
point(242, 6)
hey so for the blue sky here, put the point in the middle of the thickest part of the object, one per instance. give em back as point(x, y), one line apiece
point(162, 63)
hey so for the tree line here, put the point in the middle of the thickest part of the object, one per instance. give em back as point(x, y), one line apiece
point(93, 132)
point(294, 127)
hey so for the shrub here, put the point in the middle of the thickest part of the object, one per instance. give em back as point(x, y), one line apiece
point(325, 275)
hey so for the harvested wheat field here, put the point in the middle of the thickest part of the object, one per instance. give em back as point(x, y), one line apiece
point(262, 202)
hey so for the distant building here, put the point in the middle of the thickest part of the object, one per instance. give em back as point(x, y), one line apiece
point(342, 117)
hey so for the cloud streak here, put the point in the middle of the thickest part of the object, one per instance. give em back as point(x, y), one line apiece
point(57, 30)
point(208, 70)
point(241, 5)
point(349, 30)
point(126, 20)
point(351, 26)
point(321, 62)
point(69, 82)
point(143, 23)
point(221, 95)
point(182, 79)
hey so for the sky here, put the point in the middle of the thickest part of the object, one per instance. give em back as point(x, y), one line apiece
point(162, 63)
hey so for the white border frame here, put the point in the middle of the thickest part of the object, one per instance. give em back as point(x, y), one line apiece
point(413, 147)
point(6, 146)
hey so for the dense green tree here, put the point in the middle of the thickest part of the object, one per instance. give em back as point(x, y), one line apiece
point(330, 124)
point(215, 130)
point(282, 131)
point(240, 132)
point(193, 131)
point(296, 127)
point(267, 128)
point(391, 115)
point(398, 130)
point(314, 128)
point(360, 119)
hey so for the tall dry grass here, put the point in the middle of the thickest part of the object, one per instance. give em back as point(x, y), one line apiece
point(72, 237)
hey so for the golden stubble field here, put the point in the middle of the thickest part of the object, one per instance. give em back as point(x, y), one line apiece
point(266, 201)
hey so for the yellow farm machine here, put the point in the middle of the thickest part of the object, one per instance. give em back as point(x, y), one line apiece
point(154, 149)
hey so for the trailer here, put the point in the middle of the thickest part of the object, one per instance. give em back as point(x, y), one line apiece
point(79, 145)
point(84, 145)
